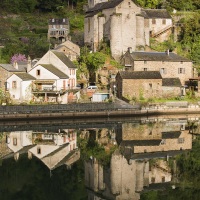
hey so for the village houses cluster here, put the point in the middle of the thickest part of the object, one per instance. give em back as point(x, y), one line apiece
point(128, 29)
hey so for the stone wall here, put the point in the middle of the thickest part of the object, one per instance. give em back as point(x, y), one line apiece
point(172, 69)
point(182, 143)
point(141, 88)
point(4, 74)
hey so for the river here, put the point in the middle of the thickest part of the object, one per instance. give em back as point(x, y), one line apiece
point(101, 158)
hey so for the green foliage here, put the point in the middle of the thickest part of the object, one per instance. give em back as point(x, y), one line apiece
point(90, 148)
point(34, 47)
point(95, 61)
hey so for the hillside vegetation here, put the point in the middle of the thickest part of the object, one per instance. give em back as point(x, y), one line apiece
point(24, 25)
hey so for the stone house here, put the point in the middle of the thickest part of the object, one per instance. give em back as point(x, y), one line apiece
point(154, 137)
point(6, 70)
point(123, 24)
point(70, 49)
point(145, 84)
point(58, 29)
point(169, 64)
point(124, 180)
point(159, 23)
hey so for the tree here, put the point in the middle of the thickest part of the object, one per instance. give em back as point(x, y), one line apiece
point(17, 58)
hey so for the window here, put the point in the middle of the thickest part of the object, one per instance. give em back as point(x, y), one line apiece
point(164, 21)
point(180, 140)
point(153, 179)
point(181, 70)
point(15, 141)
point(145, 69)
point(14, 84)
point(163, 179)
point(153, 21)
point(145, 62)
point(39, 150)
point(150, 85)
point(38, 72)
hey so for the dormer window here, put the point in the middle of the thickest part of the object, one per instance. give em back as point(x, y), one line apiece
point(153, 21)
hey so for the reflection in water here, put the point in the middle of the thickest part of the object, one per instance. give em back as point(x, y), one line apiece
point(120, 161)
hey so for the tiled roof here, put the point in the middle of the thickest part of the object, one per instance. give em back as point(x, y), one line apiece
point(101, 6)
point(24, 76)
point(64, 59)
point(157, 56)
point(171, 135)
point(140, 142)
point(10, 68)
point(157, 13)
point(172, 82)
point(64, 21)
point(55, 71)
point(140, 75)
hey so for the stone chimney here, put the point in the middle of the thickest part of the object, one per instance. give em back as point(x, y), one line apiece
point(15, 65)
point(167, 52)
point(130, 49)
point(29, 66)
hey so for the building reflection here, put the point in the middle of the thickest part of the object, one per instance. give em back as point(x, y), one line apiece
point(141, 161)
point(144, 150)
point(52, 149)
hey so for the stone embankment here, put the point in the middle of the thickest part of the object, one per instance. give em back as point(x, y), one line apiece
point(100, 110)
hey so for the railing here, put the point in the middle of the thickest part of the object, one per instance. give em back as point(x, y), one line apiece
point(161, 31)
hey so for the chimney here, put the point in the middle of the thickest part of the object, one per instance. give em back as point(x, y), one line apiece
point(29, 66)
point(15, 65)
point(167, 52)
point(130, 49)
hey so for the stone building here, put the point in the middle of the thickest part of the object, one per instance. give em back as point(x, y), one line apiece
point(58, 29)
point(124, 180)
point(123, 24)
point(169, 64)
point(6, 70)
point(70, 49)
point(146, 84)
point(154, 137)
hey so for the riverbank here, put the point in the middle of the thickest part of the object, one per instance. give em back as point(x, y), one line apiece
point(94, 110)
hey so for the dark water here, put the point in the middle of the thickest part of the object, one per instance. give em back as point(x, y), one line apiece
point(130, 158)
